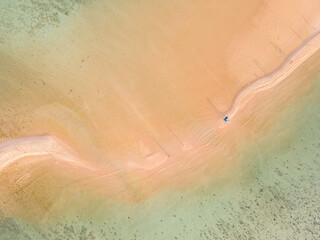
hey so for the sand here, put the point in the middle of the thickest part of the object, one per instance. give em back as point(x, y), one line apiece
point(13, 150)
point(125, 100)
point(301, 54)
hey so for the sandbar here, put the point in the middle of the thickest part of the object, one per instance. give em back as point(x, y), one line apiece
point(16, 149)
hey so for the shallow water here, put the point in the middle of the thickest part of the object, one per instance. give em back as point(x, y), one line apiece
point(275, 197)
point(272, 193)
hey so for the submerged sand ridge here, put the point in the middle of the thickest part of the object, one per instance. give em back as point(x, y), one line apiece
point(308, 48)
point(126, 99)
point(155, 163)
point(127, 72)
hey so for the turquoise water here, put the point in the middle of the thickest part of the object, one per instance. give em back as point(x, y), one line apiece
point(32, 18)
point(276, 197)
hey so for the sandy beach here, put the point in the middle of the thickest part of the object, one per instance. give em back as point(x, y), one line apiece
point(126, 102)
point(307, 49)
point(15, 150)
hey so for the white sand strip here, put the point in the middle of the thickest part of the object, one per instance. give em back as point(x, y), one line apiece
point(301, 54)
point(13, 150)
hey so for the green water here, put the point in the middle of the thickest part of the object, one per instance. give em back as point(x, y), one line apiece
point(276, 198)
point(28, 19)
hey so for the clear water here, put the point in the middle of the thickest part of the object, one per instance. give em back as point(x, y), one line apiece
point(275, 196)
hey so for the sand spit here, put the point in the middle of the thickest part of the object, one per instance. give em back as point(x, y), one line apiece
point(14, 150)
point(307, 49)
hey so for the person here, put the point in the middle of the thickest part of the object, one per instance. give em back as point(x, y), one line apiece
point(226, 119)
